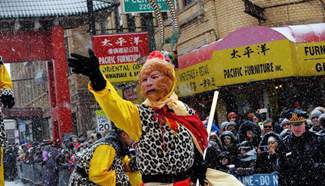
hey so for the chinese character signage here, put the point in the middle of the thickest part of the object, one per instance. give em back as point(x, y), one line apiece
point(196, 79)
point(257, 62)
point(311, 58)
point(118, 54)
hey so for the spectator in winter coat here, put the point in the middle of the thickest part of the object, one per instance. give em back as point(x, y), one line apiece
point(285, 124)
point(314, 115)
point(267, 126)
point(268, 154)
point(213, 150)
point(303, 154)
point(232, 127)
point(246, 159)
point(229, 144)
point(232, 116)
point(322, 124)
point(251, 132)
point(224, 162)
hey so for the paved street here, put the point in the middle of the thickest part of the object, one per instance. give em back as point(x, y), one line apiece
point(14, 183)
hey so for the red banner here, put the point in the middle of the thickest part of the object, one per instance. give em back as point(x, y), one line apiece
point(22, 46)
point(120, 48)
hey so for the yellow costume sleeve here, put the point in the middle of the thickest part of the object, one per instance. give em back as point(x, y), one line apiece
point(123, 113)
point(100, 171)
point(135, 176)
point(5, 81)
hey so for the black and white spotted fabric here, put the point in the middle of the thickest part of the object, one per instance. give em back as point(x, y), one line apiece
point(3, 138)
point(83, 162)
point(5, 91)
point(161, 150)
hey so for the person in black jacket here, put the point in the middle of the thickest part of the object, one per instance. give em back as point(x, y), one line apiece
point(303, 160)
point(268, 153)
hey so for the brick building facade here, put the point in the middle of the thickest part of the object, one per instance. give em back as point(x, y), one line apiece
point(201, 22)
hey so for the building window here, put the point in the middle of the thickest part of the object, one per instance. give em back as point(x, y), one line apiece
point(187, 2)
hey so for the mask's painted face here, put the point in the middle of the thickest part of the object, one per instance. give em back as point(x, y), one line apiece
point(155, 85)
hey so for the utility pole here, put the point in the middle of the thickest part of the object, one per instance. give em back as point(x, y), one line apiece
point(91, 17)
point(147, 25)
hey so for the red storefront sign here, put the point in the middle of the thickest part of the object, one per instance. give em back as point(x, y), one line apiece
point(120, 48)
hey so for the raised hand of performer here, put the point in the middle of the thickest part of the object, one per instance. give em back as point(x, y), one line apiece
point(88, 66)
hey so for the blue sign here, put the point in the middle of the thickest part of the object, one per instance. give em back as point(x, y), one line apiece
point(260, 179)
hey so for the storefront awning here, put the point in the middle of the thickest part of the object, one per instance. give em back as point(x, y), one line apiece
point(253, 54)
point(253, 35)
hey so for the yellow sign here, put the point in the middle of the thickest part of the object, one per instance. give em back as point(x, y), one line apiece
point(311, 58)
point(253, 63)
point(116, 73)
point(196, 79)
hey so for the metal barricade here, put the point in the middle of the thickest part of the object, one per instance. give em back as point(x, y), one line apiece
point(31, 173)
point(64, 177)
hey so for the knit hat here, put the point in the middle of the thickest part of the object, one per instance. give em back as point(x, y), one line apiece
point(315, 114)
point(322, 119)
point(224, 125)
point(231, 123)
point(284, 121)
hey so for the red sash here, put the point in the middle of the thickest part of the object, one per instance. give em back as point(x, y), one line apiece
point(191, 122)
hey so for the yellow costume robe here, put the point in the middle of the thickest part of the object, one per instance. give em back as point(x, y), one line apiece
point(99, 165)
point(126, 116)
point(5, 84)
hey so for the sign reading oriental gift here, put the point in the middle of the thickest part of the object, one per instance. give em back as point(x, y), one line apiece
point(118, 53)
point(196, 79)
point(311, 58)
point(257, 62)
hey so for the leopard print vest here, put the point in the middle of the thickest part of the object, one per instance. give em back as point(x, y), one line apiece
point(80, 174)
point(161, 150)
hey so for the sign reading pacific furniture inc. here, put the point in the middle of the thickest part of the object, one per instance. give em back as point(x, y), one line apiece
point(256, 62)
point(311, 58)
point(118, 53)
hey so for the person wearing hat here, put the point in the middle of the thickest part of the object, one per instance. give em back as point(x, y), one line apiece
point(170, 137)
point(285, 124)
point(303, 153)
point(232, 127)
point(247, 156)
point(107, 162)
point(322, 124)
point(314, 115)
point(229, 143)
point(268, 153)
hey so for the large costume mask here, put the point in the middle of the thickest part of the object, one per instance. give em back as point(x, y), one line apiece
point(157, 78)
